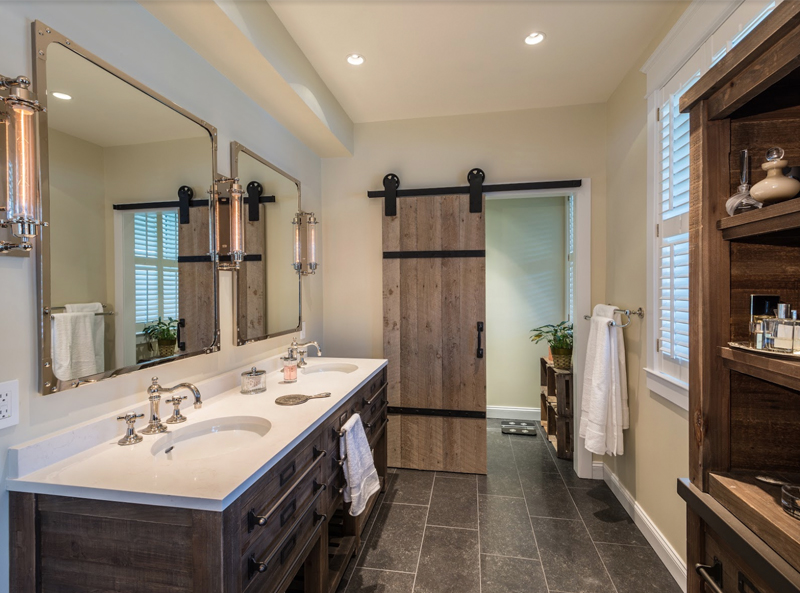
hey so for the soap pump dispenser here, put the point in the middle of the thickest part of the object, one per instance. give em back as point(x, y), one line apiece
point(290, 366)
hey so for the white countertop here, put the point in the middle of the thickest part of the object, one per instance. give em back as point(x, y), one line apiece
point(106, 471)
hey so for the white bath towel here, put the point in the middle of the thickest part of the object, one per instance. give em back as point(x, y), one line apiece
point(359, 468)
point(73, 345)
point(604, 407)
point(98, 330)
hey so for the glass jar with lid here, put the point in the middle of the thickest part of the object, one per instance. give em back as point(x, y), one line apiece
point(254, 381)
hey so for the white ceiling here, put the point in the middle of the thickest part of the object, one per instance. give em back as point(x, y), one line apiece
point(427, 59)
point(105, 110)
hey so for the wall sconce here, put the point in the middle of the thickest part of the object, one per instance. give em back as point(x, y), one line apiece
point(311, 223)
point(230, 225)
point(23, 210)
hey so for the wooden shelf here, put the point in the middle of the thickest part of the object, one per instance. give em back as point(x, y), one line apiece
point(340, 551)
point(771, 225)
point(758, 506)
point(762, 366)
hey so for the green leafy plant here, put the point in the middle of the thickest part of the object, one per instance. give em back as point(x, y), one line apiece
point(162, 330)
point(558, 336)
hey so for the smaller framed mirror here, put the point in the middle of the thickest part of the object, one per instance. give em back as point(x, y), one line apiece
point(268, 295)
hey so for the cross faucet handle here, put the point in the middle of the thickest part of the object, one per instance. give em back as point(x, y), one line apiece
point(176, 400)
point(130, 438)
point(130, 417)
point(176, 417)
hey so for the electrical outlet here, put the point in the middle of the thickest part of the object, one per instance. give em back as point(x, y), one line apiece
point(9, 403)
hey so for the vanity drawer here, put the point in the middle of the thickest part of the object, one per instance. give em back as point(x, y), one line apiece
point(279, 497)
point(269, 564)
point(366, 396)
point(737, 575)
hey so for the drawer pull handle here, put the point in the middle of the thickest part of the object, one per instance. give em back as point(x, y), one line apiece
point(368, 402)
point(712, 575)
point(745, 586)
point(288, 473)
point(254, 566)
point(287, 549)
point(254, 520)
point(369, 425)
point(288, 512)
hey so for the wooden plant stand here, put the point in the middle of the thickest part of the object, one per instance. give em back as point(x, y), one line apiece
point(557, 418)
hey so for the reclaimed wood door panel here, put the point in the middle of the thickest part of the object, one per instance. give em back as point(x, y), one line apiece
point(434, 295)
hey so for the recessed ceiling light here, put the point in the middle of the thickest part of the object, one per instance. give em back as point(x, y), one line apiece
point(355, 59)
point(63, 96)
point(534, 38)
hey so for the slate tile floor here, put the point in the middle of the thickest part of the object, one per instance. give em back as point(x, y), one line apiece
point(529, 526)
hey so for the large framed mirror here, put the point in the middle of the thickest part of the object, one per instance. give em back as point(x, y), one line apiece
point(268, 287)
point(127, 276)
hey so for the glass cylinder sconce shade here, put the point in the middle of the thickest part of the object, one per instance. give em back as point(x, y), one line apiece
point(312, 243)
point(308, 219)
point(236, 244)
point(23, 204)
point(297, 247)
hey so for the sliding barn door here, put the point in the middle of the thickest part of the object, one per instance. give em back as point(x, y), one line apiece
point(434, 292)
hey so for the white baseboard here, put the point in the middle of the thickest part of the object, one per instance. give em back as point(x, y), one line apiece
point(671, 559)
point(598, 470)
point(509, 413)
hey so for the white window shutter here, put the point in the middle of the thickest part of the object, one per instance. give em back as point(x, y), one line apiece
point(155, 238)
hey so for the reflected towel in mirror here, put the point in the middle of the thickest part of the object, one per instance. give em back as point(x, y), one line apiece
point(98, 330)
point(73, 345)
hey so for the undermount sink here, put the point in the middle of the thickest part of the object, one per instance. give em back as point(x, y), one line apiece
point(329, 367)
point(210, 438)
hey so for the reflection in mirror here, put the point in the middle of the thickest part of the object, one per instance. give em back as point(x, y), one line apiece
point(127, 282)
point(268, 285)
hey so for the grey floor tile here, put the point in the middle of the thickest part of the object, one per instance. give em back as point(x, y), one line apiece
point(605, 518)
point(569, 558)
point(547, 496)
point(505, 527)
point(366, 580)
point(501, 478)
point(410, 486)
point(395, 539)
point(633, 569)
point(449, 562)
point(532, 456)
point(500, 574)
point(454, 475)
point(454, 503)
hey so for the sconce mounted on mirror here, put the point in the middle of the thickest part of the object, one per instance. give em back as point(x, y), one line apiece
point(309, 245)
point(230, 236)
point(19, 111)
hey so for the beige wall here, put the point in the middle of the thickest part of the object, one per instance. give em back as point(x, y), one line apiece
point(525, 266)
point(657, 444)
point(531, 145)
point(77, 217)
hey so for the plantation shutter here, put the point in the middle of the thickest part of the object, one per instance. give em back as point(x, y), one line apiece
point(155, 238)
point(570, 258)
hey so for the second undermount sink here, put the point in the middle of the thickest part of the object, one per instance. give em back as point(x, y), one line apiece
point(329, 367)
point(210, 438)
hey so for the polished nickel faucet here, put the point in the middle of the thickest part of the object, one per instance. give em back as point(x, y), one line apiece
point(302, 349)
point(155, 426)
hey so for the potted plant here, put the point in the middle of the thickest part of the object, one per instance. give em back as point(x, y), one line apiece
point(560, 339)
point(165, 333)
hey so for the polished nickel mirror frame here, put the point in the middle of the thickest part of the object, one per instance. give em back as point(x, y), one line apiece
point(241, 315)
point(43, 37)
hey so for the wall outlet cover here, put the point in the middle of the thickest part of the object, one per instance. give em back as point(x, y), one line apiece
point(9, 403)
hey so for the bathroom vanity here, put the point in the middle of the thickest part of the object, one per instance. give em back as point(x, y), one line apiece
point(245, 495)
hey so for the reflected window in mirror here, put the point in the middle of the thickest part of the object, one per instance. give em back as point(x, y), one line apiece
point(116, 156)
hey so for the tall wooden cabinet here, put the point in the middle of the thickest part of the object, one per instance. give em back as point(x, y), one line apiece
point(744, 407)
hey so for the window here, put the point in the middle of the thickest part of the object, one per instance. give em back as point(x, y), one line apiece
point(668, 372)
point(570, 258)
point(155, 266)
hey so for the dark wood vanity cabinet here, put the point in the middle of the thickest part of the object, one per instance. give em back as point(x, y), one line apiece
point(289, 528)
point(744, 406)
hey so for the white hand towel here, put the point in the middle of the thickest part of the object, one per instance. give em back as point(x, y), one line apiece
point(73, 345)
point(98, 330)
point(604, 408)
point(359, 468)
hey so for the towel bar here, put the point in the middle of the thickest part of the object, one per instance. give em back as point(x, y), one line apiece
point(627, 312)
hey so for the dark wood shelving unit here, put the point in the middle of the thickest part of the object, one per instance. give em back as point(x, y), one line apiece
point(744, 407)
point(556, 406)
point(780, 371)
point(778, 224)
